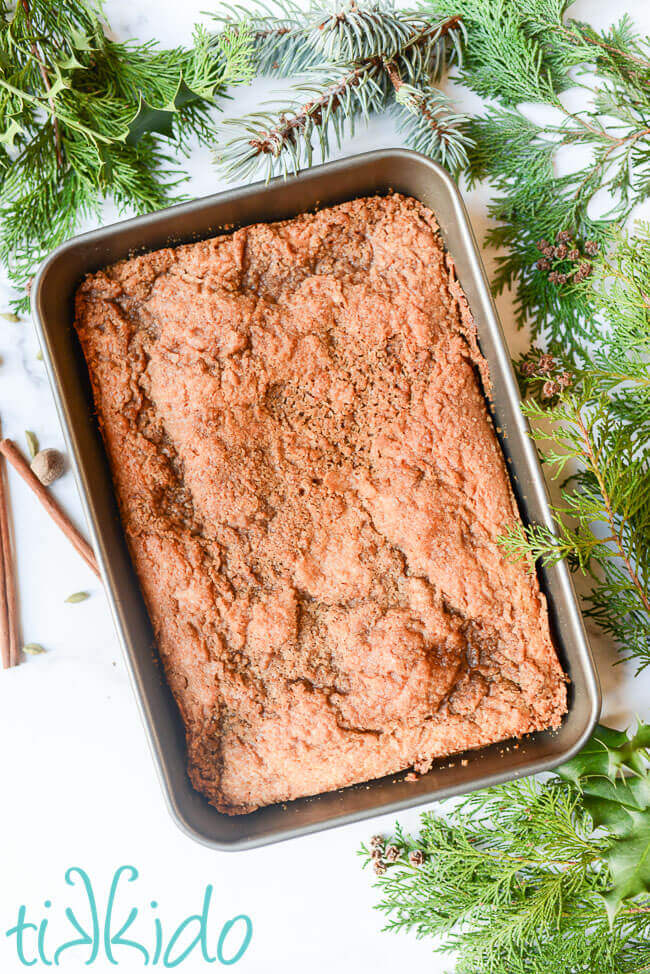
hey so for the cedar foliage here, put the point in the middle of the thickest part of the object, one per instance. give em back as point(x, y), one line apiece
point(84, 117)
point(599, 444)
point(534, 877)
point(534, 53)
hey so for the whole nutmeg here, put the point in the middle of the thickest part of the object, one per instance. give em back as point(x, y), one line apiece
point(48, 465)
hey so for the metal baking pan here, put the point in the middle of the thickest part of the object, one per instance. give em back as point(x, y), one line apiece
point(52, 302)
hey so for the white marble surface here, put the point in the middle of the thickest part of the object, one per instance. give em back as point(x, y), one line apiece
point(78, 783)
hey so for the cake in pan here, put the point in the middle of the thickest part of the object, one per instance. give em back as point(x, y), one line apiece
point(312, 492)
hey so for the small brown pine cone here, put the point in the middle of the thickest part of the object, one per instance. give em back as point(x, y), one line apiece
point(574, 254)
point(542, 245)
point(561, 251)
point(565, 380)
point(562, 278)
point(585, 268)
point(528, 368)
point(550, 389)
point(392, 853)
point(543, 264)
point(553, 276)
point(416, 858)
point(563, 236)
point(377, 842)
point(376, 854)
point(380, 868)
point(591, 248)
point(546, 363)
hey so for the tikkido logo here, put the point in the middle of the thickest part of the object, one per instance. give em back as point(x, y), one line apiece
point(122, 931)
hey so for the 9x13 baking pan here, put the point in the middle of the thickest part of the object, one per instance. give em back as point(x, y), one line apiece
point(53, 307)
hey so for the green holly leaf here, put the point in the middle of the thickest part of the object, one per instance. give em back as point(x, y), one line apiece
point(186, 96)
point(629, 864)
point(70, 63)
point(600, 756)
point(149, 119)
point(633, 754)
point(8, 137)
point(59, 83)
point(608, 815)
point(613, 776)
point(81, 40)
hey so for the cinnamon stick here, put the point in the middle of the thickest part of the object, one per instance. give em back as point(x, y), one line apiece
point(8, 599)
point(58, 515)
point(5, 639)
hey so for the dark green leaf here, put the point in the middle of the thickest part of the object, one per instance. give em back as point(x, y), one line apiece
point(629, 863)
point(149, 119)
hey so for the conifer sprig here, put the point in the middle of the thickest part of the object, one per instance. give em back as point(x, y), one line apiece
point(83, 117)
point(534, 52)
point(355, 59)
point(534, 877)
point(600, 445)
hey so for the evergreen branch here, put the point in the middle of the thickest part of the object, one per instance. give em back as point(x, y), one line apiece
point(531, 876)
point(46, 82)
point(279, 34)
point(533, 52)
point(88, 117)
point(428, 125)
point(284, 138)
point(357, 59)
point(601, 426)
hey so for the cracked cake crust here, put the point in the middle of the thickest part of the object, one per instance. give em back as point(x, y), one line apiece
point(311, 490)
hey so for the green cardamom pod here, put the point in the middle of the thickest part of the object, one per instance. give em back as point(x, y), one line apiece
point(32, 443)
point(33, 649)
point(77, 597)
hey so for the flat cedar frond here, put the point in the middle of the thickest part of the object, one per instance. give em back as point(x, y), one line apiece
point(600, 445)
point(83, 117)
point(357, 59)
point(532, 52)
point(525, 876)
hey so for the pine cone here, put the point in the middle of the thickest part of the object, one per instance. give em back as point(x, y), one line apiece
point(392, 853)
point(380, 868)
point(416, 858)
point(546, 363)
point(528, 368)
point(550, 389)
